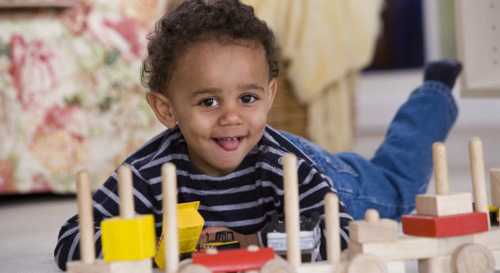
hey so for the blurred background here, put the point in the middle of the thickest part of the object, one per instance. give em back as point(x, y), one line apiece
point(71, 97)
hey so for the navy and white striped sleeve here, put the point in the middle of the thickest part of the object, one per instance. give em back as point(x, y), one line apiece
point(105, 205)
point(313, 186)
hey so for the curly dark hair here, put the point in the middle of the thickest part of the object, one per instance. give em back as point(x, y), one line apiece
point(193, 20)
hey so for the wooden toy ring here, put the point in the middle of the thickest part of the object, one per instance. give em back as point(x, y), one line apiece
point(128, 239)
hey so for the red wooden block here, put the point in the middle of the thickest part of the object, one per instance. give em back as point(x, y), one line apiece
point(234, 260)
point(445, 226)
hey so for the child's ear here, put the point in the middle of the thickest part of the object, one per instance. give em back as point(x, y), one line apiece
point(162, 107)
point(273, 89)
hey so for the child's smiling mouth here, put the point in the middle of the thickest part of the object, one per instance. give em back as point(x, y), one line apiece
point(228, 144)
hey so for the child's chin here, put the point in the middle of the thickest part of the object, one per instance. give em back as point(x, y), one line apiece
point(229, 167)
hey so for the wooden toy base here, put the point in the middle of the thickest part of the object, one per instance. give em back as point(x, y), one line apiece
point(144, 266)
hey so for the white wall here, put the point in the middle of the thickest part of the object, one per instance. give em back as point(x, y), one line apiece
point(381, 93)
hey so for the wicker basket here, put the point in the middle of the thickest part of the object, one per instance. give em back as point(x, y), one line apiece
point(287, 112)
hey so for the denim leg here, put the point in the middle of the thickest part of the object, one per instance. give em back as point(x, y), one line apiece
point(402, 165)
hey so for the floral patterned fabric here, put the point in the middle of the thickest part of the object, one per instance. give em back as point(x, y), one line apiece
point(70, 92)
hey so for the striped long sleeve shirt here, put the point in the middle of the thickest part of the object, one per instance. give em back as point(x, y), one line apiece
point(243, 200)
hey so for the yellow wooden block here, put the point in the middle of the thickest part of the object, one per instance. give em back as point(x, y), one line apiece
point(128, 239)
point(442, 205)
point(190, 224)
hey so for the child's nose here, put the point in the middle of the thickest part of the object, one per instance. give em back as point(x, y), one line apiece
point(230, 116)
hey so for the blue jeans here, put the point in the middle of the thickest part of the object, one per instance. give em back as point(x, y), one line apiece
point(402, 165)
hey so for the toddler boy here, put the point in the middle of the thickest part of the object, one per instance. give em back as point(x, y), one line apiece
point(212, 69)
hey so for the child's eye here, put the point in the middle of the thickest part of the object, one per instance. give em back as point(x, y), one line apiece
point(247, 99)
point(209, 102)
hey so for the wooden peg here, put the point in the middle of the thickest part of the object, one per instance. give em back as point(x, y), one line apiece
point(291, 205)
point(125, 192)
point(495, 186)
point(440, 168)
point(478, 176)
point(372, 216)
point(169, 191)
point(86, 218)
point(332, 229)
point(88, 263)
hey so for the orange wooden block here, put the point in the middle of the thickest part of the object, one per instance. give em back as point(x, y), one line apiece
point(234, 260)
point(445, 226)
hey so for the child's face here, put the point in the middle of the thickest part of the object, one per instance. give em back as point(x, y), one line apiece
point(219, 96)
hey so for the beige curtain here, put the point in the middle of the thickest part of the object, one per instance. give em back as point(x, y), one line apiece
point(327, 43)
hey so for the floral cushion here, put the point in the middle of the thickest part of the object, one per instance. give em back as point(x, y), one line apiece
point(70, 92)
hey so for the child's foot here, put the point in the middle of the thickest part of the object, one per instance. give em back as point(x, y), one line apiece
point(445, 71)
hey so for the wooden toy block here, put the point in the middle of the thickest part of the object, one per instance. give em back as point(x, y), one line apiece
point(82, 267)
point(127, 237)
point(396, 266)
point(495, 186)
point(373, 229)
point(410, 247)
point(442, 205)
point(366, 263)
point(189, 227)
point(344, 266)
point(445, 226)
point(439, 264)
point(143, 266)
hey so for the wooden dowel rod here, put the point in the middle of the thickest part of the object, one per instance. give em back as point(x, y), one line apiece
point(440, 168)
point(332, 229)
point(495, 186)
point(169, 192)
point(291, 209)
point(478, 175)
point(86, 218)
point(125, 187)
